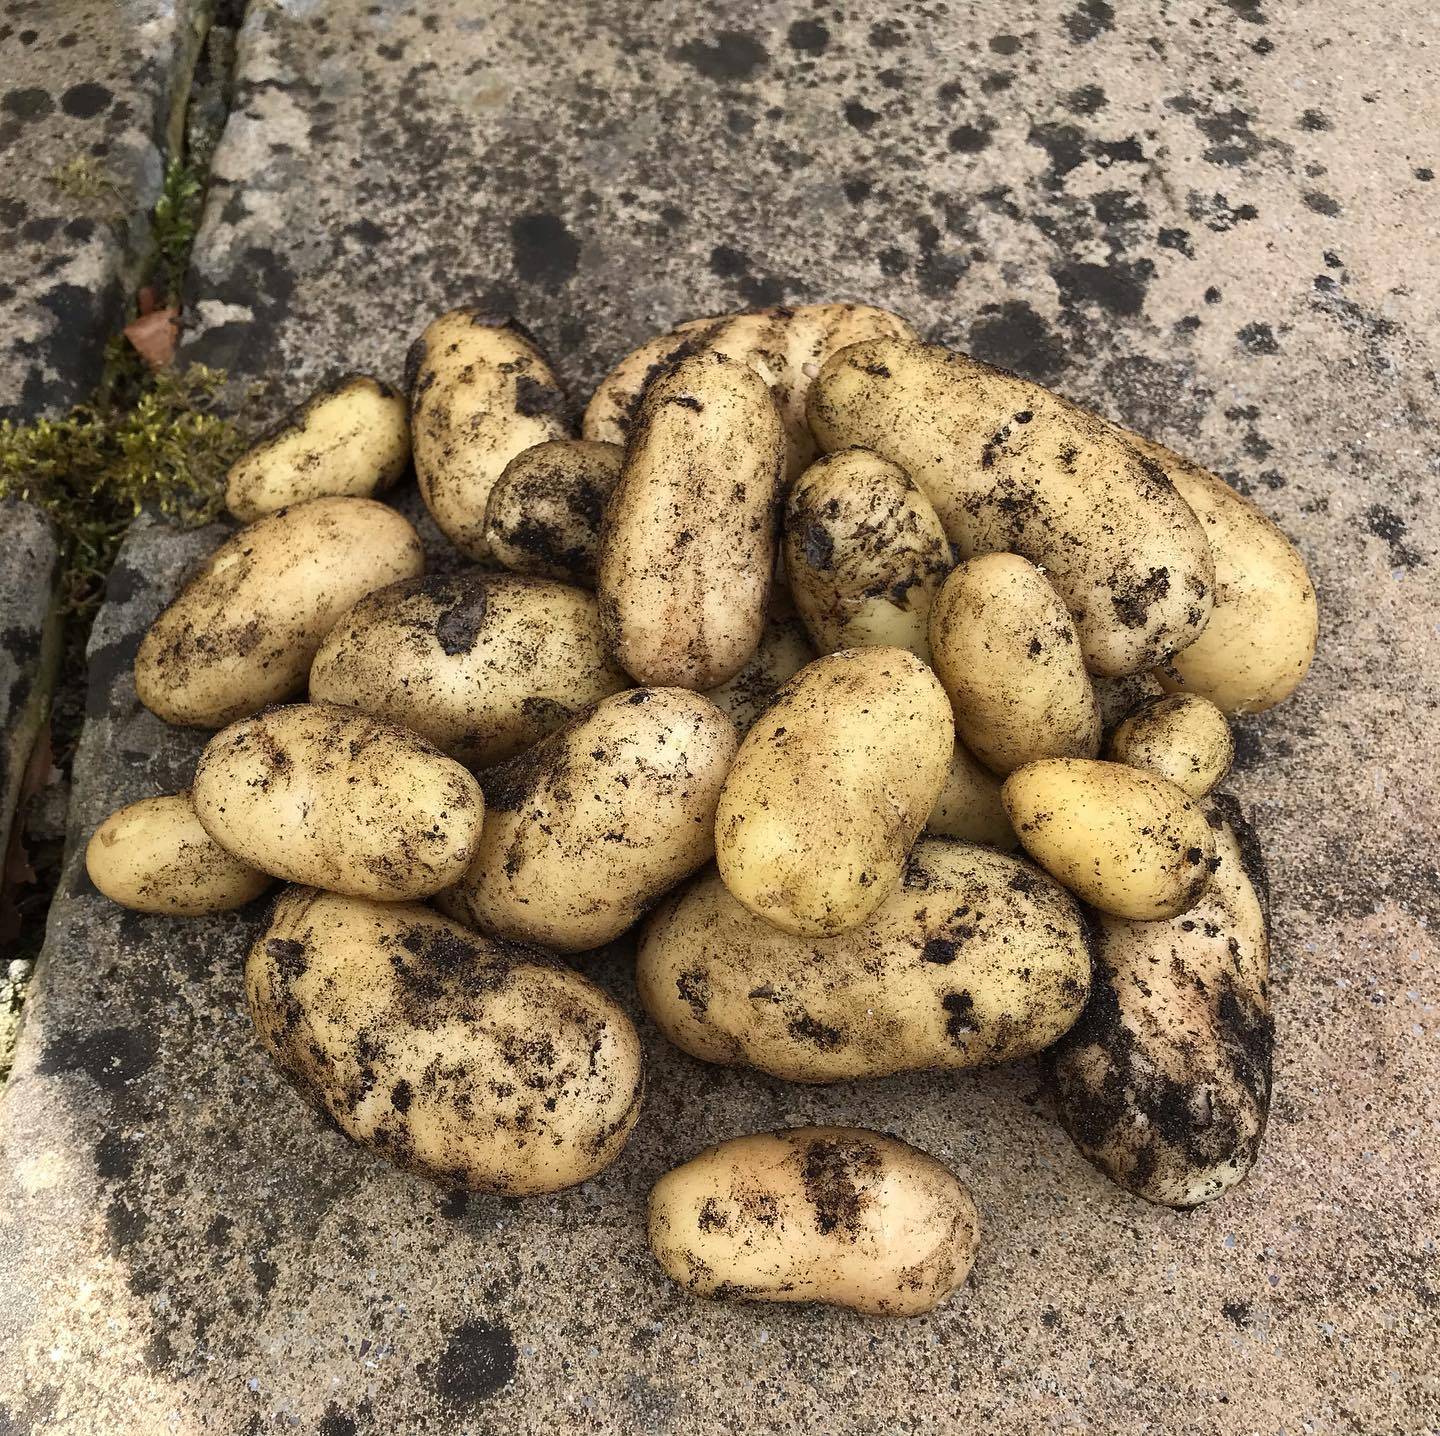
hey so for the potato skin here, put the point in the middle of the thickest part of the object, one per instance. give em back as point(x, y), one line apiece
point(784, 650)
point(687, 549)
point(329, 797)
point(544, 513)
point(478, 1064)
point(586, 829)
point(1164, 1083)
point(1184, 738)
point(153, 856)
point(864, 554)
point(481, 392)
point(242, 633)
point(350, 437)
point(1127, 842)
point(1008, 654)
point(828, 1214)
point(969, 807)
point(1118, 697)
point(1011, 467)
point(975, 958)
point(830, 789)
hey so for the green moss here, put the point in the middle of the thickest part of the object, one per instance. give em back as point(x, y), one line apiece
point(84, 177)
point(177, 216)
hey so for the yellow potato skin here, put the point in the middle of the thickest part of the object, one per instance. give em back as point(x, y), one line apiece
point(1118, 697)
point(816, 1214)
point(243, 632)
point(831, 787)
point(153, 856)
point(1184, 738)
point(784, 650)
point(975, 958)
point(1127, 842)
point(480, 1065)
point(969, 807)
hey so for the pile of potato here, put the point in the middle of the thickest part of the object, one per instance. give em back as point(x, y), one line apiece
point(784, 661)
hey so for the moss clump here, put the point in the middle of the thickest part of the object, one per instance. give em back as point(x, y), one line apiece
point(177, 216)
point(84, 177)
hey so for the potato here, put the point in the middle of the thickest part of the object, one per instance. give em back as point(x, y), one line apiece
point(153, 856)
point(331, 798)
point(969, 806)
point(864, 553)
point(687, 549)
point(544, 512)
point(1007, 652)
point(828, 1214)
point(481, 392)
point(481, 664)
point(974, 958)
point(830, 789)
point(1164, 1083)
point(784, 650)
point(243, 631)
point(1010, 466)
point(1184, 738)
point(1118, 697)
point(785, 346)
point(350, 437)
point(594, 823)
point(478, 1064)
point(1127, 842)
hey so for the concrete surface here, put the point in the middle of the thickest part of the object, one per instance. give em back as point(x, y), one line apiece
point(1214, 221)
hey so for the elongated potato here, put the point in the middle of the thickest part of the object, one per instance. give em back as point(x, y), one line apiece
point(1127, 842)
point(975, 958)
point(1164, 1083)
point(544, 513)
point(784, 650)
point(153, 856)
point(687, 549)
point(331, 798)
point(970, 807)
point(481, 392)
point(350, 437)
point(1010, 466)
point(478, 1064)
point(1184, 738)
point(864, 554)
point(243, 631)
point(830, 789)
point(1118, 697)
point(481, 664)
point(828, 1214)
point(1007, 652)
point(588, 828)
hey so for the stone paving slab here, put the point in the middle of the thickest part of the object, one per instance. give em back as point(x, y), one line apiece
point(1212, 220)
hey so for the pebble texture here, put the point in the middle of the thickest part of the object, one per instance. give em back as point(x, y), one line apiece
point(1211, 220)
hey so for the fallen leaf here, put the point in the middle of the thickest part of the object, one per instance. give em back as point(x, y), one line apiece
point(154, 336)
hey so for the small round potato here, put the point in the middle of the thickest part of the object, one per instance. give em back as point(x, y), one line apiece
point(784, 650)
point(975, 958)
point(1127, 842)
point(828, 1214)
point(831, 787)
point(481, 664)
point(153, 856)
point(1118, 697)
point(544, 512)
point(864, 553)
point(350, 437)
point(1184, 738)
point(970, 807)
point(244, 630)
point(331, 798)
point(478, 1064)
point(588, 828)
point(1008, 654)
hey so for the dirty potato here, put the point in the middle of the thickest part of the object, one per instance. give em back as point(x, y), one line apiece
point(970, 807)
point(1184, 738)
point(1118, 697)
point(784, 650)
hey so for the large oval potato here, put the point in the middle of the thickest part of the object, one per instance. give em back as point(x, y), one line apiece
point(481, 392)
point(829, 1214)
point(975, 958)
point(332, 798)
point(153, 856)
point(481, 664)
point(687, 550)
point(784, 650)
point(588, 828)
point(1127, 842)
point(1164, 1083)
point(970, 807)
point(350, 437)
point(1011, 467)
point(1184, 738)
point(831, 787)
point(864, 554)
point(478, 1064)
point(1007, 652)
point(242, 633)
